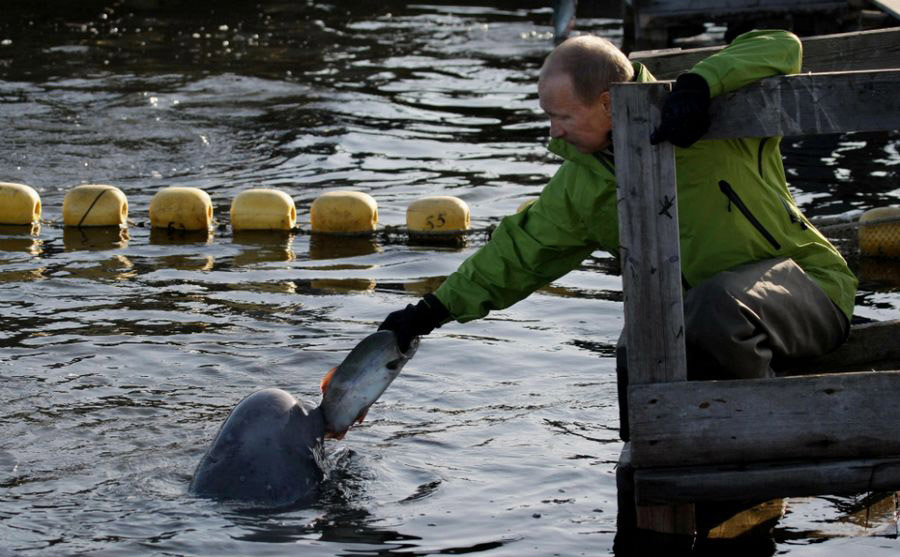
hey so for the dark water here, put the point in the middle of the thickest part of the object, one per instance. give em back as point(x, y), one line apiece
point(120, 356)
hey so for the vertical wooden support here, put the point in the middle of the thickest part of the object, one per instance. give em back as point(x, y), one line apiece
point(648, 237)
point(651, 267)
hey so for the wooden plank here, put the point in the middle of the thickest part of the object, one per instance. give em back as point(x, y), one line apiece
point(868, 346)
point(846, 415)
point(648, 10)
point(888, 6)
point(865, 50)
point(764, 481)
point(648, 236)
point(665, 518)
point(712, 8)
point(809, 105)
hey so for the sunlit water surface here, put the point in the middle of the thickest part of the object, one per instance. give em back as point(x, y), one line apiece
point(120, 355)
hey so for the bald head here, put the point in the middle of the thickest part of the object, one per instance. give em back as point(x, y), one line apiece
point(591, 63)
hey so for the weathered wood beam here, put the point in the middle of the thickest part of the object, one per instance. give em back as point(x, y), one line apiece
point(863, 50)
point(868, 346)
point(765, 480)
point(648, 10)
point(832, 416)
point(648, 237)
point(677, 518)
point(809, 105)
point(672, 7)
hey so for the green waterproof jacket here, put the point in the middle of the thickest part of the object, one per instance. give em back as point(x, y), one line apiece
point(734, 206)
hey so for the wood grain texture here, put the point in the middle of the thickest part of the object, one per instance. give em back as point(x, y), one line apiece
point(844, 415)
point(647, 10)
point(648, 234)
point(809, 105)
point(863, 50)
point(765, 480)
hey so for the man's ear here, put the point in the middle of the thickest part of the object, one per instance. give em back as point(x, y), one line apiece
point(605, 99)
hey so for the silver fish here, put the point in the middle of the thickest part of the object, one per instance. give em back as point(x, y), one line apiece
point(352, 387)
point(563, 19)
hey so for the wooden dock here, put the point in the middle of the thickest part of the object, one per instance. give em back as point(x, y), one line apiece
point(712, 441)
point(656, 23)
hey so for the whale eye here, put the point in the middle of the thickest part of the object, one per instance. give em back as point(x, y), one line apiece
point(393, 365)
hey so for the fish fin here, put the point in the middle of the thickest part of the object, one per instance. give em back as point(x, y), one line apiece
point(327, 379)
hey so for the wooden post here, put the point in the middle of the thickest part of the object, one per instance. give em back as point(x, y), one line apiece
point(650, 256)
point(648, 237)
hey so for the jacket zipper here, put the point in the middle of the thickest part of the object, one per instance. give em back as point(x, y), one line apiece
point(793, 216)
point(759, 156)
point(733, 198)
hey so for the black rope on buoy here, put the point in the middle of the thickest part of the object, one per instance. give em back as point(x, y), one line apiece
point(86, 213)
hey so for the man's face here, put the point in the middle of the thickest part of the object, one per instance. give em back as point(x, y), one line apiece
point(585, 126)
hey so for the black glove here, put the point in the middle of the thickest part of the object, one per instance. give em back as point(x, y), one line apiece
point(685, 114)
point(415, 320)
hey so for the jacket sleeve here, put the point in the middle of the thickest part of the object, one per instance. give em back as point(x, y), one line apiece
point(751, 57)
point(528, 250)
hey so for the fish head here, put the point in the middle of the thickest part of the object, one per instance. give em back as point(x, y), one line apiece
point(352, 387)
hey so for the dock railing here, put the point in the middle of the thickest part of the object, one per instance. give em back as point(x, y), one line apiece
point(739, 439)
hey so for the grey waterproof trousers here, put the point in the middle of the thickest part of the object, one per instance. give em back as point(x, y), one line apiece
point(751, 322)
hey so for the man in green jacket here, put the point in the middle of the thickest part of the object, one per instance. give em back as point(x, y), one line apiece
point(762, 285)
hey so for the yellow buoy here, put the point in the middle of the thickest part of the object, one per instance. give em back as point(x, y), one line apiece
point(440, 215)
point(263, 209)
point(95, 205)
point(19, 204)
point(344, 212)
point(879, 232)
point(181, 208)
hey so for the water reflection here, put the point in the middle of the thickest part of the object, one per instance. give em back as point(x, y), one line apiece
point(15, 238)
point(95, 238)
point(342, 286)
point(878, 273)
point(399, 99)
point(322, 246)
point(186, 262)
point(263, 246)
point(117, 268)
point(24, 275)
point(177, 237)
point(423, 286)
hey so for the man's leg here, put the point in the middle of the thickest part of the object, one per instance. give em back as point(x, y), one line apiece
point(743, 322)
